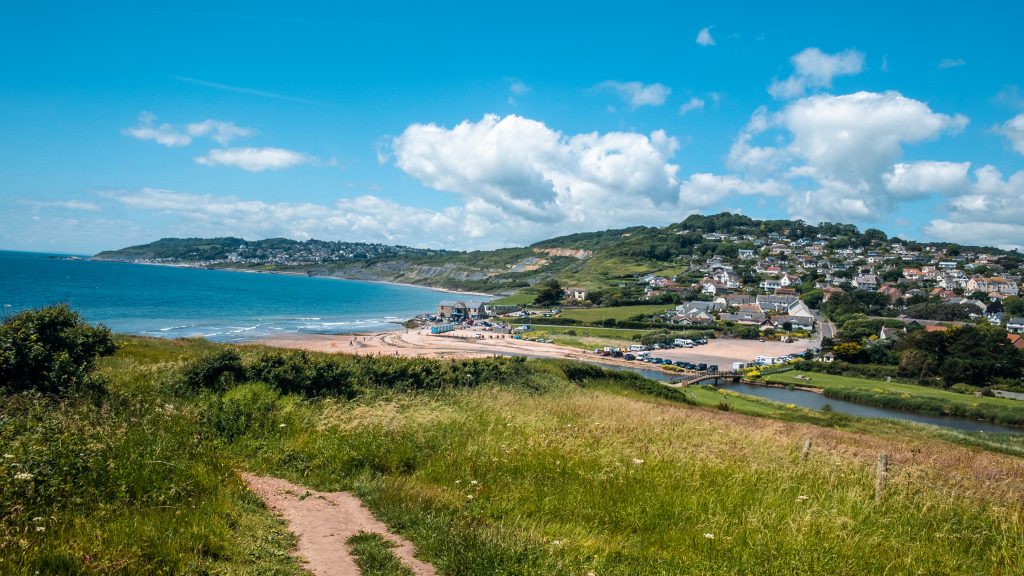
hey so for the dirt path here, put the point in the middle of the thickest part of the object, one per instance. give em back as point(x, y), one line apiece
point(323, 523)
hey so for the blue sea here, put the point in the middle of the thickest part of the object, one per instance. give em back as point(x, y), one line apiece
point(219, 305)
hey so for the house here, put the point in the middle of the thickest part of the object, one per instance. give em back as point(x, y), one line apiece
point(732, 300)
point(1015, 325)
point(701, 318)
point(461, 310)
point(887, 333)
point(1017, 340)
point(755, 318)
point(727, 277)
point(866, 282)
point(796, 322)
point(770, 285)
point(830, 291)
point(789, 280)
point(799, 308)
point(698, 307)
point(575, 293)
point(891, 291)
point(997, 284)
point(745, 254)
point(775, 303)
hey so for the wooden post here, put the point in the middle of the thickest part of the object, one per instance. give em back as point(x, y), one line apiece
point(807, 450)
point(881, 475)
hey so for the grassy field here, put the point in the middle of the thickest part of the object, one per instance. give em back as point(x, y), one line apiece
point(614, 312)
point(562, 470)
point(618, 334)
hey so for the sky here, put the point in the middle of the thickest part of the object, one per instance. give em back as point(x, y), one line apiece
point(478, 125)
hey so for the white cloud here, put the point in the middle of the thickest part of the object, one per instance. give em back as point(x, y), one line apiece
point(638, 94)
point(1013, 130)
point(516, 87)
point(164, 134)
point(65, 204)
point(841, 155)
point(691, 105)
point(816, 69)
point(922, 178)
point(523, 168)
point(704, 37)
point(704, 189)
point(172, 136)
point(254, 159)
point(218, 131)
point(946, 63)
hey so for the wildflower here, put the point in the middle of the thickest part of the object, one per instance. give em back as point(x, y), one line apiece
point(8, 456)
point(473, 482)
point(637, 461)
point(469, 496)
point(801, 498)
point(281, 425)
point(40, 528)
point(23, 476)
point(38, 519)
point(556, 542)
point(709, 535)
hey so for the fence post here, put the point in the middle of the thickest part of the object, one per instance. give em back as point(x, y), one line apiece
point(881, 475)
point(807, 450)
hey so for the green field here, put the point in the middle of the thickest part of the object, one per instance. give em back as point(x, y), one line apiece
point(619, 334)
point(614, 312)
point(829, 381)
point(492, 466)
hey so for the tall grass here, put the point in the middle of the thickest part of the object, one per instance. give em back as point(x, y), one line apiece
point(528, 468)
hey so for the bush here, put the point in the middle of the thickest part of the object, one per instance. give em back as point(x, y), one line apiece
point(243, 409)
point(302, 373)
point(51, 350)
point(212, 371)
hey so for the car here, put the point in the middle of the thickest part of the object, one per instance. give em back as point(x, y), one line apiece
point(680, 363)
point(713, 367)
point(760, 339)
point(702, 366)
point(629, 357)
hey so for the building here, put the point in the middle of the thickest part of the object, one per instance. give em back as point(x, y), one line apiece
point(576, 293)
point(1015, 325)
point(996, 284)
point(776, 302)
point(795, 322)
point(866, 282)
point(461, 310)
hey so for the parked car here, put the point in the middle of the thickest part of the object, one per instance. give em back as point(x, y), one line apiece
point(629, 357)
point(713, 367)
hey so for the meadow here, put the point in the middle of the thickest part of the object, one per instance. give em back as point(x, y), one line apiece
point(494, 467)
point(925, 399)
point(614, 312)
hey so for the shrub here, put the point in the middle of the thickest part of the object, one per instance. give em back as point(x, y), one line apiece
point(302, 373)
point(244, 408)
point(212, 371)
point(51, 350)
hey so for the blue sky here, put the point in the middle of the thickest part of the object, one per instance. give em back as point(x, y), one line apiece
point(479, 125)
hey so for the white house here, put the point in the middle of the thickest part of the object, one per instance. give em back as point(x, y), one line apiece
point(1015, 325)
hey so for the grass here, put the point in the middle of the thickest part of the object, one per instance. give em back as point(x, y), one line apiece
point(566, 470)
point(614, 312)
point(375, 556)
point(618, 334)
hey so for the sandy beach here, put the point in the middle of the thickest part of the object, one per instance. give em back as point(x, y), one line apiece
point(419, 343)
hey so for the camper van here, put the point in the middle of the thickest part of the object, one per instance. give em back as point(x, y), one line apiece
point(685, 343)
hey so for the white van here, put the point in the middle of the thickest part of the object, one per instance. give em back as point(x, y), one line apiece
point(683, 342)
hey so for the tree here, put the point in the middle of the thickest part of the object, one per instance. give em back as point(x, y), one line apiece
point(51, 350)
point(1013, 306)
point(550, 293)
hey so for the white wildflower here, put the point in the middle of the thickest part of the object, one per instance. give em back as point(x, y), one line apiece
point(8, 456)
point(473, 482)
point(40, 528)
point(801, 498)
point(556, 542)
point(23, 476)
point(709, 535)
point(637, 461)
point(469, 496)
point(282, 425)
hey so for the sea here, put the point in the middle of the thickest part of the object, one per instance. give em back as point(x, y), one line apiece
point(221, 305)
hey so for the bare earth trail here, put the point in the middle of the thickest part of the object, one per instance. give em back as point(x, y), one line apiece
point(323, 523)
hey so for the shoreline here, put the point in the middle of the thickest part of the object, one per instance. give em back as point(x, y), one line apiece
point(301, 275)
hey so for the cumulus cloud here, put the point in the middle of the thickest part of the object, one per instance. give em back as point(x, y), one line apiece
point(946, 63)
point(254, 159)
point(813, 68)
point(174, 136)
point(638, 94)
point(704, 37)
point(990, 212)
point(691, 105)
point(525, 169)
point(911, 180)
point(1013, 130)
point(842, 154)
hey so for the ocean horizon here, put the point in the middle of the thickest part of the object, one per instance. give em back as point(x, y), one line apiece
point(220, 305)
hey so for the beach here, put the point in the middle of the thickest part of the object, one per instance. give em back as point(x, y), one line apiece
point(419, 343)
